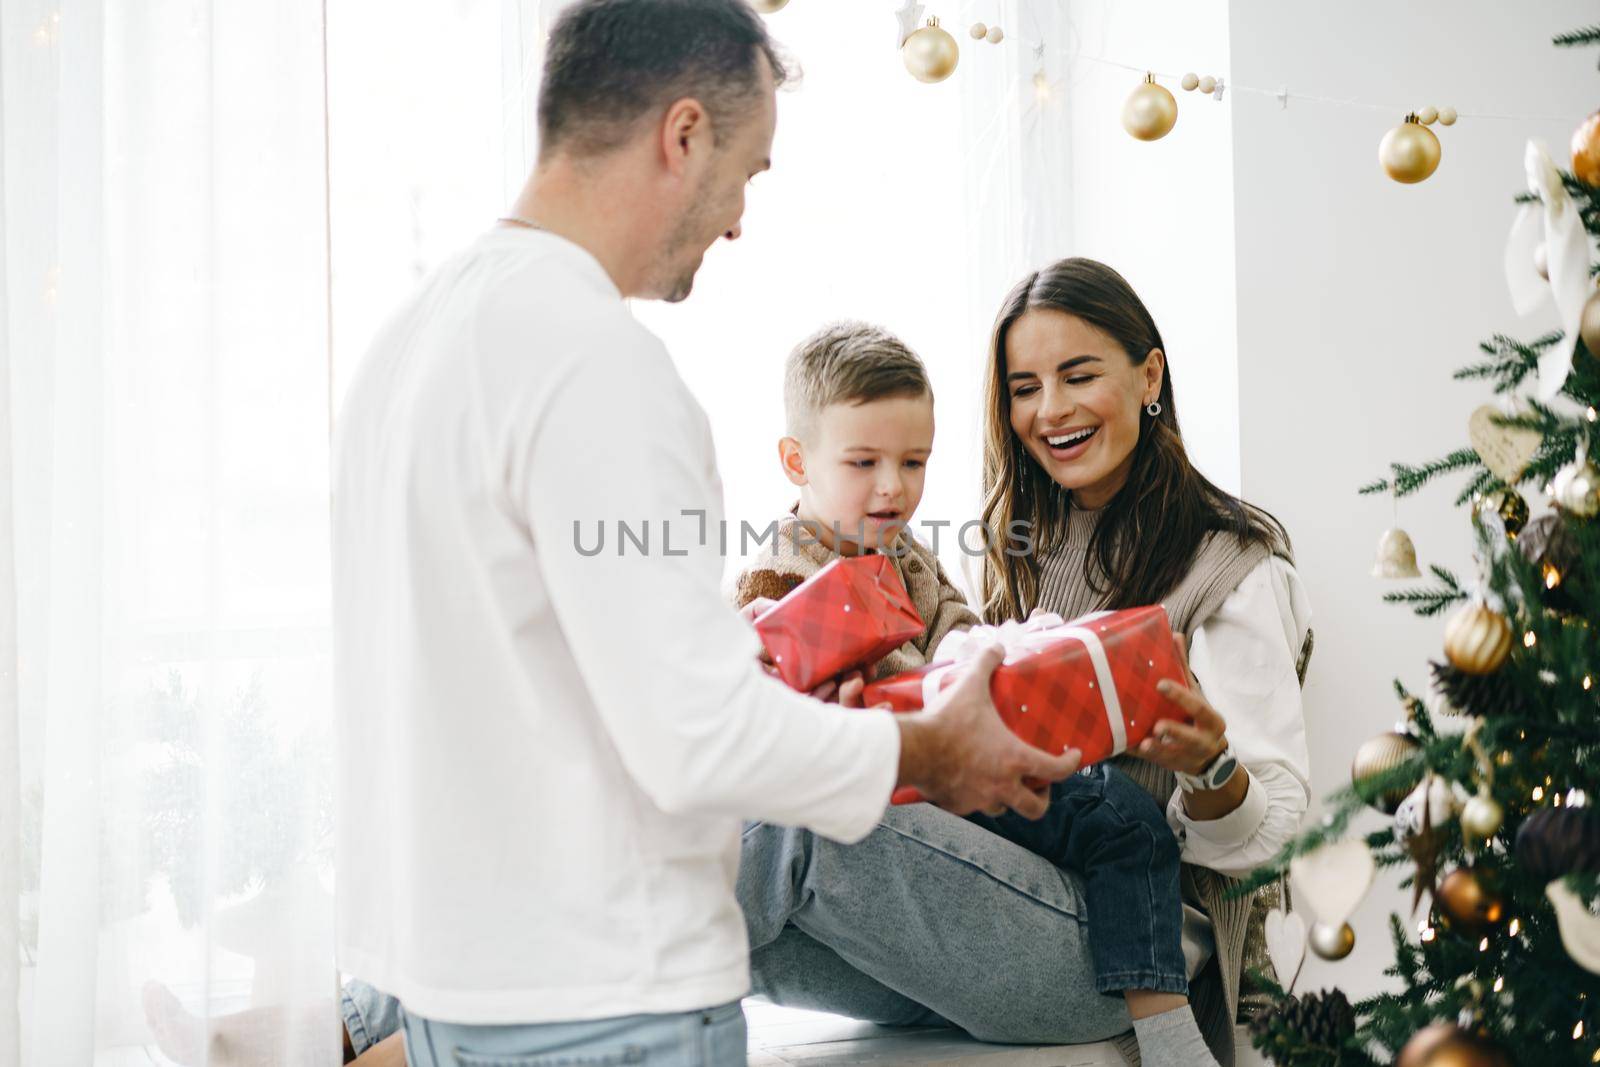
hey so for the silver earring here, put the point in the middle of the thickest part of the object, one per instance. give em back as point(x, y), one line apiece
point(1153, 408)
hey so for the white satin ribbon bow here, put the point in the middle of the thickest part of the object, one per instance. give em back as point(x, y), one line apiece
point(1553, 221)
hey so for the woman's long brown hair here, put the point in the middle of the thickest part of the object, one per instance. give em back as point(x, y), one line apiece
point(1148, 534)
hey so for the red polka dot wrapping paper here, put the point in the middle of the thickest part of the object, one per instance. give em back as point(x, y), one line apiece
point(1053, 695)
point(851, 612)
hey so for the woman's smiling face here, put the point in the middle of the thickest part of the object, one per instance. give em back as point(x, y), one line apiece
point(1076, 400)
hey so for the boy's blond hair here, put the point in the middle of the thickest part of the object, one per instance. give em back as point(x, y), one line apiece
point(847, 363)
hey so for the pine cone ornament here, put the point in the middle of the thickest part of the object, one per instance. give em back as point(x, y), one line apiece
point(1475, 694)
point(1309, 1029)
point(1560, 841)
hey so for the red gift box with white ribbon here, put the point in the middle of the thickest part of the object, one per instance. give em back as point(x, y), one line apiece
point(1088, 684)
point(852, 612)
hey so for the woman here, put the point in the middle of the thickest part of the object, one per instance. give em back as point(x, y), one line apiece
point(932, 918)
point(1121, 518)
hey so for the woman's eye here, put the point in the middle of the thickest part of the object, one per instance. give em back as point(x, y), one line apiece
point(1027, 390)
point(1081, 379)
point(863, 464)
point(914, 464)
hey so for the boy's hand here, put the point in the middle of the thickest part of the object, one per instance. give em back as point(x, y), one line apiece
point(755, 608)
point(961, 756)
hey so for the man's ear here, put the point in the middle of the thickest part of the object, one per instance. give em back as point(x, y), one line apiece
point(684, 132)
point(792, 455)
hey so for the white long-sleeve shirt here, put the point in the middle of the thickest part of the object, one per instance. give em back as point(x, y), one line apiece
point(1244, 658)
point(544, 755)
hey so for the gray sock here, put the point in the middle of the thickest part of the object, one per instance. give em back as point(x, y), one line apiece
point(1172, 1039)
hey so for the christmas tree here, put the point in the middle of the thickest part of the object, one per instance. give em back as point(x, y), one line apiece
point(1493, 782)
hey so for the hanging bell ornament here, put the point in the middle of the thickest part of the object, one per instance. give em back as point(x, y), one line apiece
point(1576, 487)
point(1410, 152)
point(1482, 816)
point(1477, 639)
point(767, 7)
point(1586, 150)
point(1508, 508)
point(930, 54)
point(1397, 556)
point(1380, 755)
point(1332, 942)
point(1150, 111)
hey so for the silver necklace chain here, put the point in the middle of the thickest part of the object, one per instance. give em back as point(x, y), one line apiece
point(520, 221)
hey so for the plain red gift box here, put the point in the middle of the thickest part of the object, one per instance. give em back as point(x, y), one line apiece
point(853, 611)
point(1055, 697)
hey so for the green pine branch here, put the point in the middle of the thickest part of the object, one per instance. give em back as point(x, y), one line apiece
point(1427, 601)
point(1575, 38)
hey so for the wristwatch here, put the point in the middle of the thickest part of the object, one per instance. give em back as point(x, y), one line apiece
point(1214, 775)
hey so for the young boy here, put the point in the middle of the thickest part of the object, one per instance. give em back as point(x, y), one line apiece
point(859, 413)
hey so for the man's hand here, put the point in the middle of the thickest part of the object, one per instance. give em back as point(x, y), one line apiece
point(961, 756)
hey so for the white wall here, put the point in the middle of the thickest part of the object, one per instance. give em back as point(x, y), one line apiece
point(1162, 212)
point(1357, 297)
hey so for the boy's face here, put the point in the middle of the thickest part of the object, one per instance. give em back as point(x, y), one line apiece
point(862, 469)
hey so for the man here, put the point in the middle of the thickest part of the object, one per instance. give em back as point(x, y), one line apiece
point(545, 753)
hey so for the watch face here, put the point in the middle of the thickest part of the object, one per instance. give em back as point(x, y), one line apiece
point(1223, 771)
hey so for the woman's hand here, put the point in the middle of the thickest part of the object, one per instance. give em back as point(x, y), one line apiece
point(1190, 748)
point(1183, 747)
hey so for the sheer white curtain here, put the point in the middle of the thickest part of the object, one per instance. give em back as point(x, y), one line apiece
point(163, 708)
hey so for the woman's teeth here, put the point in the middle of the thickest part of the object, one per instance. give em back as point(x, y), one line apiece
point(1077, 437)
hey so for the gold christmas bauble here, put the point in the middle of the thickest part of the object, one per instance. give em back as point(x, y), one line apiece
point(1447, 116)
point(767, 7)
point(1150, 111)
point(1208, 85)
point(1589, 324)
point(1576, 488)
point(1447, 1045)
point(978, 31)
point(995, 35)
point(1428, 116)
point(1468, 903)
point(1380, 755)
point(1190, 82)
point(1586, 150)
point(1477, 639)
point(1482, 816)
point(1332, 942)
point(930, 54)
point(1508, 506)
point(1409, 153)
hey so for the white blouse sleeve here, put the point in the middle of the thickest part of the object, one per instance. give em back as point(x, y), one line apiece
point(1244, 658)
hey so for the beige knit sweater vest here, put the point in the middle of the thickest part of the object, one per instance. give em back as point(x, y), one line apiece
point(1219, 566)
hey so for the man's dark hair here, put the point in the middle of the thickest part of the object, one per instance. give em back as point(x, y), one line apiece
point(610, 63)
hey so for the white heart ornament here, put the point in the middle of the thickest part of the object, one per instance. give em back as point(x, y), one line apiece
point(1333, 880)
point(1505, 450)
point(1580, 928)
point(1286, 945)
